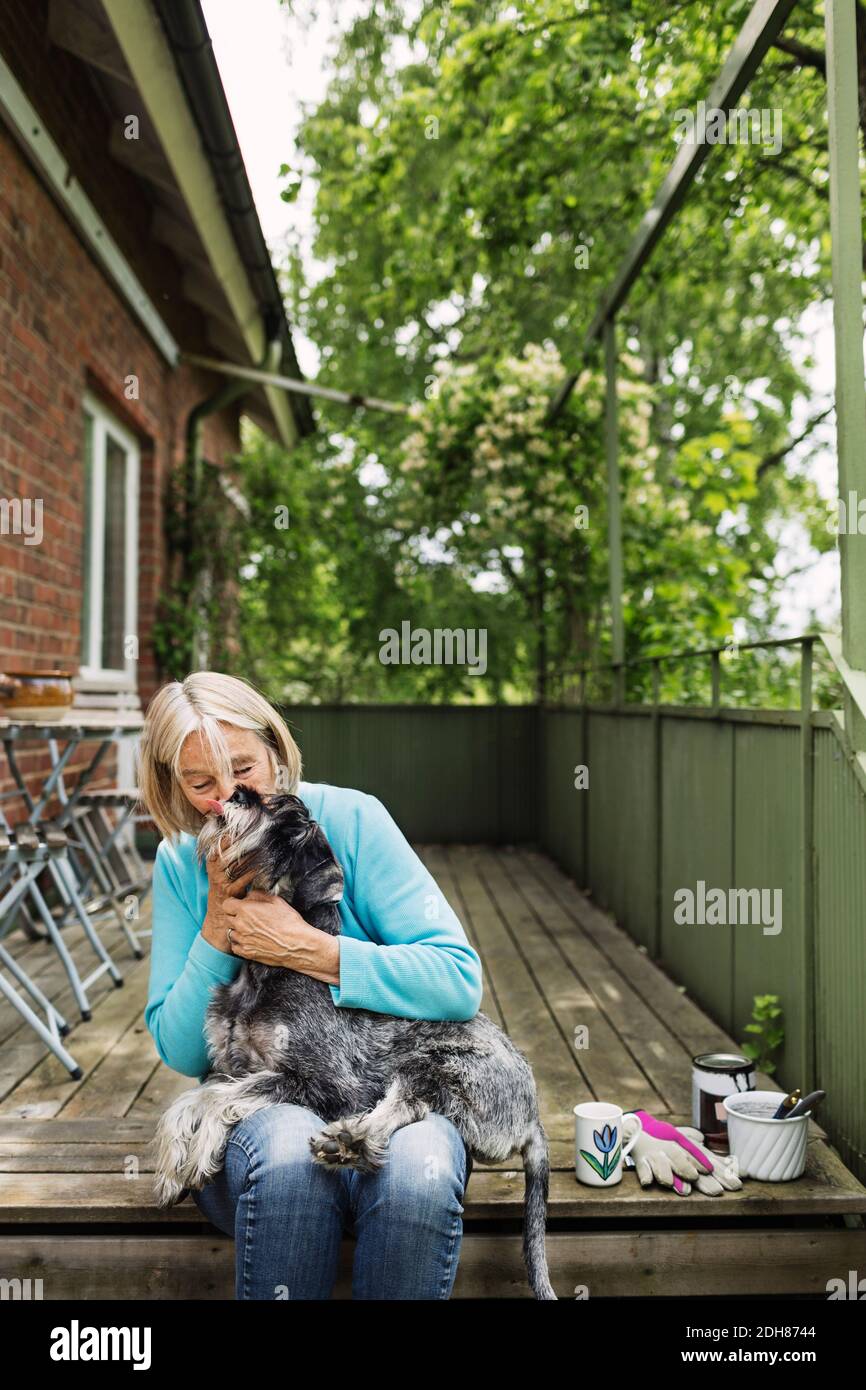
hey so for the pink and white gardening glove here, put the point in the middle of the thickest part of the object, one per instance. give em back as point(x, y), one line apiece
point(676, 1157)
point(724, 1177)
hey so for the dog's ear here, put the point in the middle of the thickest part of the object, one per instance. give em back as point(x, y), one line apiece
point(294, 821)
point(288, 808)
point(302, 836)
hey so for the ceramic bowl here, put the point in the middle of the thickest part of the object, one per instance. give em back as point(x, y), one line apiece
point(37, 695)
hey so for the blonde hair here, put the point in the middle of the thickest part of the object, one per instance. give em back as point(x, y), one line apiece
point(196, 705)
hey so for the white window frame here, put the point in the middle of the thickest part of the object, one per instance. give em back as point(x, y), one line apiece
point(104, 427)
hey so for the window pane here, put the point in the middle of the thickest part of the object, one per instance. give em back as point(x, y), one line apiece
point(114, 573)
point(87, 542)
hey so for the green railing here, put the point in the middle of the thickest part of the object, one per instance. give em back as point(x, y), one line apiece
point(643, 799)
point(644, 678)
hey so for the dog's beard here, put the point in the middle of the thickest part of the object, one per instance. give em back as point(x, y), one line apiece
point(277, 838)
point(233, 836)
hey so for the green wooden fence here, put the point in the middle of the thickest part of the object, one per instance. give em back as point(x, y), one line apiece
point(447, 773)
point(676, 796)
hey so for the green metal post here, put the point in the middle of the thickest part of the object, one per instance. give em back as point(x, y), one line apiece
point(847, 253)
point(584, 801)
point(614, 516)
point(716, 682)
point(807, 853)
point(657, 773)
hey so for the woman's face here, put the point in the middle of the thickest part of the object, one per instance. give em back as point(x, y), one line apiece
point(200, 780)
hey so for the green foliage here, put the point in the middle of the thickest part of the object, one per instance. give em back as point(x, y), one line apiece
point(479, 176)
point(769, 1033)
point(174, 628)
point(207, 542)
point(318, 592)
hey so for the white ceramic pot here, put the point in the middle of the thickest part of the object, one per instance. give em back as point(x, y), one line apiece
point(766, 1149)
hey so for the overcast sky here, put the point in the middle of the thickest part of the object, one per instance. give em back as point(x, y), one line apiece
point(270, 65)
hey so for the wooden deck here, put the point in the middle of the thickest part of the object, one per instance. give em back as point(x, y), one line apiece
point(76, 1207)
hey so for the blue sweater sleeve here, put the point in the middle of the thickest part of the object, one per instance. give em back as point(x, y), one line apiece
point(419, 962)
point(184, 968)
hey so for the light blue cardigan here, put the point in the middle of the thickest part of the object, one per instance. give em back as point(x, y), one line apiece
point(403, 951)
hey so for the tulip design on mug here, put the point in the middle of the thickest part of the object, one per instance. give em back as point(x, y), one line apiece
point(607, 1143)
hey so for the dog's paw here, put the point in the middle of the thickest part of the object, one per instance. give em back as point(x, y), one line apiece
point(342, 1144)
point(168, 1191)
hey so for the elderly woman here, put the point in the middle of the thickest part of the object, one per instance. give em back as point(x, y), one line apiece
point(401, 951)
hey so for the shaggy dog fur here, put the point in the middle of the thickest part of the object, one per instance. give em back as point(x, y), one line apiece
point(275, 1036)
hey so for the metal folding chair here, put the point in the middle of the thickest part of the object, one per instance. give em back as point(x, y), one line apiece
point(18, 882)
point(24, 853)
point(83, 862)
point(114, 857)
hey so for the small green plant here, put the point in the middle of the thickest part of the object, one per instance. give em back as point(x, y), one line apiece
point(769, 1032)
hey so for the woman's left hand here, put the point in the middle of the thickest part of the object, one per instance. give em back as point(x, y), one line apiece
point(268, 929)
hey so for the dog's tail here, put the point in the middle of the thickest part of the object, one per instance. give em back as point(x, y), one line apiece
point(536, 1166)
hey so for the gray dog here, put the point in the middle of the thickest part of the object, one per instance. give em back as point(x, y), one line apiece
point(275, 1036)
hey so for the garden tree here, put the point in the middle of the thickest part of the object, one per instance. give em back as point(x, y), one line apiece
point(528, 503)
point(480, 171)
point(326, 571)
point(524, 504)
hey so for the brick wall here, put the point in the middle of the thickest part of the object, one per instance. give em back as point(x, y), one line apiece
point(63, 330)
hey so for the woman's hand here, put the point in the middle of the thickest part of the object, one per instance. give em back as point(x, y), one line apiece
point(220, 891)
point(268, 929)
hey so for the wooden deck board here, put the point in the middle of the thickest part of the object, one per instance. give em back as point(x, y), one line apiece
point(658, 1264)
point(109, 1181)
point(20, 1049)
point(48, 1087)
point(436, 858)
point(570, 981)
point(78, 1155)
point(526, 1017)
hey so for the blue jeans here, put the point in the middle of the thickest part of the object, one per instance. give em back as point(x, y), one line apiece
point(287, 1213)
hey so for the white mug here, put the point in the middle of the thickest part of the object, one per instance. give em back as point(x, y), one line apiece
point(599, 1132)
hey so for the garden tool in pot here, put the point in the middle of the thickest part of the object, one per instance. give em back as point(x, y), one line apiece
point(676, 1158)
